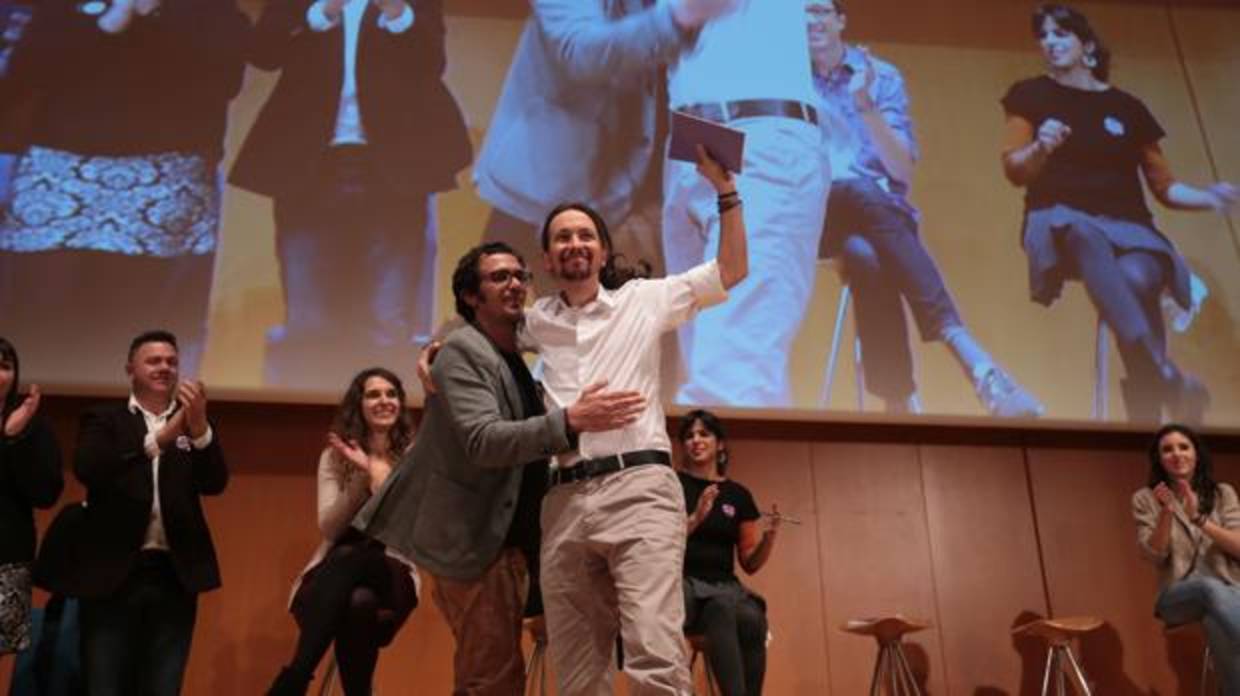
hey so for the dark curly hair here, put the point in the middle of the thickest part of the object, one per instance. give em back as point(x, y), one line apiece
point(1078, 24)
point(616, 271)
point(350, 424)
point(467, 280)
point(1203, 477)
point(715, 427)
point(8, 354)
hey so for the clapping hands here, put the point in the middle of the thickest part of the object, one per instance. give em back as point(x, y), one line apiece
point(20, 417)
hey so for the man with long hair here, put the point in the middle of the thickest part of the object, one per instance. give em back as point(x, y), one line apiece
point(614, 518)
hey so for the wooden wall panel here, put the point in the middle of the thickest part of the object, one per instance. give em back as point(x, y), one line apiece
point(1083, 504)
point(875, 556)
point(780, 473)
point(987, 570)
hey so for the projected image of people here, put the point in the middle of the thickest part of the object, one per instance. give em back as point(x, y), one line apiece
point(737, 353)
point(547, 144)
point(115, 199)
point(357, 135)
point(873, 228)
point(1080, 148)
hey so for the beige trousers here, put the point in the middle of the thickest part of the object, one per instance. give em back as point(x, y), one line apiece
point(612, 559)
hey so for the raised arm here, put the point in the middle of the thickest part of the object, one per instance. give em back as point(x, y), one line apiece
point(593, 47)
point(883, 105)
point(1025, 152)
point(1154, 516)
point(733, 255)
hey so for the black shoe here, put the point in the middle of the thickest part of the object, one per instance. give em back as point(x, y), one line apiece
point(289, 683)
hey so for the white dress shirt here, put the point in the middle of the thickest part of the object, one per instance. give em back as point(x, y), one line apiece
point(758, 51)
point(617, 337)
point(155, 537)
point(349, 128)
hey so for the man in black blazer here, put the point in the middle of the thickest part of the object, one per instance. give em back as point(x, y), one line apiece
point(145, 552)
point(357, 135)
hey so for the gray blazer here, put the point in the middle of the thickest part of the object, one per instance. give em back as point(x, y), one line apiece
point(450, 501)
point(576, 118)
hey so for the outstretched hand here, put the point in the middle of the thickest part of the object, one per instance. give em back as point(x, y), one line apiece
point(715, 173)
point(425, 358)
point(20, 416)
point(351, 451)
point(1052, 134)
point(705, 503)
point(1188, 497)
point(1164, 495)
point(597, 410)
point(1225, 195)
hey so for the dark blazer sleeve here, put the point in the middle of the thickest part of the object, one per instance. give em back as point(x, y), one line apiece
point(471, 392)
point(210, 470)
point(110, 455)
point(208, 40)
point(424, 42)
point(31, 460)
point(279, 23)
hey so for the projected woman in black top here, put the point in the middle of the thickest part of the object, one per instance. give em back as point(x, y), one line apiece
point(1080, 147)
point(723, 525)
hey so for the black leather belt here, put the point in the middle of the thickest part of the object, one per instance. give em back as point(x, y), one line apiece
point(722, 112)
point(589, 468)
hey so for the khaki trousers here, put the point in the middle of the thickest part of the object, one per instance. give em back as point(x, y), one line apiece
point(485, 617)
point(612, 559)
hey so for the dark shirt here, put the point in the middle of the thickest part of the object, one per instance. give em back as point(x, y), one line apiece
point(710, 552)
point(30, 477)
point(161, 85)
point(524, 532)
point(1096, 169)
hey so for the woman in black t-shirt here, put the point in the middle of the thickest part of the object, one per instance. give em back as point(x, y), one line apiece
point(723, 526)
point(1080, 147)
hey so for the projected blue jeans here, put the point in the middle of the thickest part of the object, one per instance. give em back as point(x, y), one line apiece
point(1217, 606)
point(886, 264)
point(737, 353)
point(357, 264)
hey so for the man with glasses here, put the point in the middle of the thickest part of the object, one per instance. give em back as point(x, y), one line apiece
point(872, 226)
point(464, 503)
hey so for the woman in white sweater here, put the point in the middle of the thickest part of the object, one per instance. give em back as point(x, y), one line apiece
point(354, 592)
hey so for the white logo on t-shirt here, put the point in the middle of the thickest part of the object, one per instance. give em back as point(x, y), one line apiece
point(1113, 125)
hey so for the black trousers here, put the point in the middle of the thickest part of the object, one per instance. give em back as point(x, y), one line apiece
point(733, 621)
point(136, 641)
point(357, 598)
point(357, 267)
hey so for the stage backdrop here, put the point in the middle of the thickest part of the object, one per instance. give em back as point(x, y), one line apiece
point(958, 58)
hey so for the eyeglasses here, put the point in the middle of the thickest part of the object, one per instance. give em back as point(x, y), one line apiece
point(820, 13)
point(503, 275)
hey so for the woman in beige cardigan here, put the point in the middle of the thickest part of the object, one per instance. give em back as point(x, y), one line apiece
point(1189, 527)
point(354, 592)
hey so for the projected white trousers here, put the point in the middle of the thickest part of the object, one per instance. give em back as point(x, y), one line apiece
point(737, 353)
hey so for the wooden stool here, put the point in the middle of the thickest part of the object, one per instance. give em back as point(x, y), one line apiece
point(697, 647)
point(536, 665)
point(1058, 634)
point(891, 667)
point(1207, 659)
